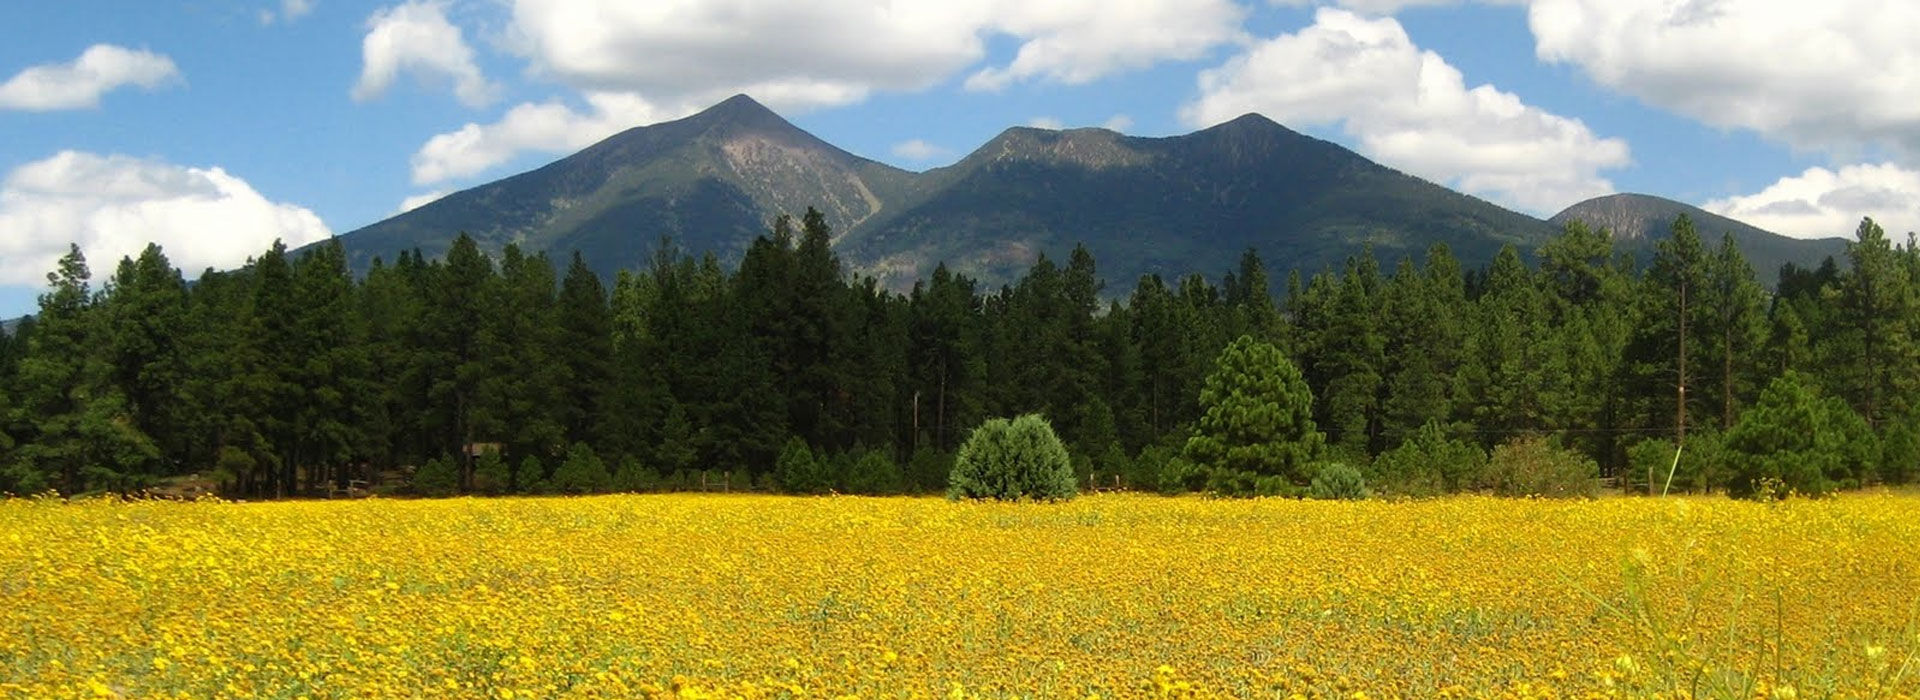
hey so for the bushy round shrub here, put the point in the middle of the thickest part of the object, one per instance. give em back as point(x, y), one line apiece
point(438, 477)
point(1428, 463)
point(582, 472)
point(800, 471)
point(1534, 466)
point(872, 473)
point(1012, 459)
point(1337, 481)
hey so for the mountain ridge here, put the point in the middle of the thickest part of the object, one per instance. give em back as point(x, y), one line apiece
point(1171, 205)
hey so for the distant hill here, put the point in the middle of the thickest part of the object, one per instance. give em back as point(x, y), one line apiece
point(1637, 220)
point(1174, 205)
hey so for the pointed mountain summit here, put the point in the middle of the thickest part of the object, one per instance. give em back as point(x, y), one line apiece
point(1639, 220)
point(711, 181)
point(1170, 206)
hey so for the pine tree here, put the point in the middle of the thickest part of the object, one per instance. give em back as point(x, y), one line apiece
point(81, 435)
point(1256, 432)
point(584, 345)
point(145, 308)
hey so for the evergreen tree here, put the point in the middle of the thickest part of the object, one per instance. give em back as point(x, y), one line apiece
point(584, 346)
point(1257, 431)
point(80, 434)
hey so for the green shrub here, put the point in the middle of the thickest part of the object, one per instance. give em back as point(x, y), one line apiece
point(633, 477)
point(438, 477)
point(531, 476)
point(1012, 459)
point(582, 472)
point(491, 474)
point(873, 473)
point(1534, 466)
point(1899, 451)
point(1144, 473)
point(1428, 463)
point(799, 471)
point(928, 469)
point(1337, 481)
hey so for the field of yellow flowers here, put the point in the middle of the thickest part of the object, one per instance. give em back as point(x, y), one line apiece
point(1109, 595)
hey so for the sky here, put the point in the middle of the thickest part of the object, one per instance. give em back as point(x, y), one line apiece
point(214, 127)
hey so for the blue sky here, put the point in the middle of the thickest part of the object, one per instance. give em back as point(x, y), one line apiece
point(216, 126)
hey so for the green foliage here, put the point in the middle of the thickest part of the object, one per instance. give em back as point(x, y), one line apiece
point(530, 476)
point(633, 477)
point(800, 471)
point(492, 475)
point(439, 476)
point(582, 472)
point(1806, 442)
point(928, 470)
point(1337, 481)
point(1429, 463)
point(1013, 459)
point(1256, 432)
point(1534, 466)
point(872, 473)
point(1899, 451)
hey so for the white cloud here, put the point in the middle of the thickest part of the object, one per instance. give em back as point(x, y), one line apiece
point(417, 39)
point(831, 52)
point(670, 58)
point(113, 205)
point(80, 83)
point(548, 126)
point(1046, 123)
point(1837, 75)
point(420, 200)
point(1822, 203)
point(1412, 110)
point(1389, 7)
point(290, 11)
point(1118, 122)
point(1079, 42)
point(918, 150)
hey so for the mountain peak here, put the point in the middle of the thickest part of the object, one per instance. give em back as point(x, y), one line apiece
point(741, 111)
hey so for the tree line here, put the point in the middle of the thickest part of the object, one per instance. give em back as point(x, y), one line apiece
point(291, 376)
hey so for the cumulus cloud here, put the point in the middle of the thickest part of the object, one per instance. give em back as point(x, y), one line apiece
point(1079, 42)
point(1822, 203)
point(79, 84)
point(419, 200)
point(1410, 109)
point(1838, 76)
point(113, 205)
point(637, 62)
point(1046, 123)
point(547, 126)
point(1388, 7)
point(918, 150)
point(836, 51)
point(415, 38)
point(1118, 122)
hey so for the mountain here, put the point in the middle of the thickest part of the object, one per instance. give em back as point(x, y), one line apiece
point(1638, 220)
point(1172, 206)
point(711, 181)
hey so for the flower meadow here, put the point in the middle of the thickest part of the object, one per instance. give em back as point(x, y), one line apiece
point(1109, 595)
